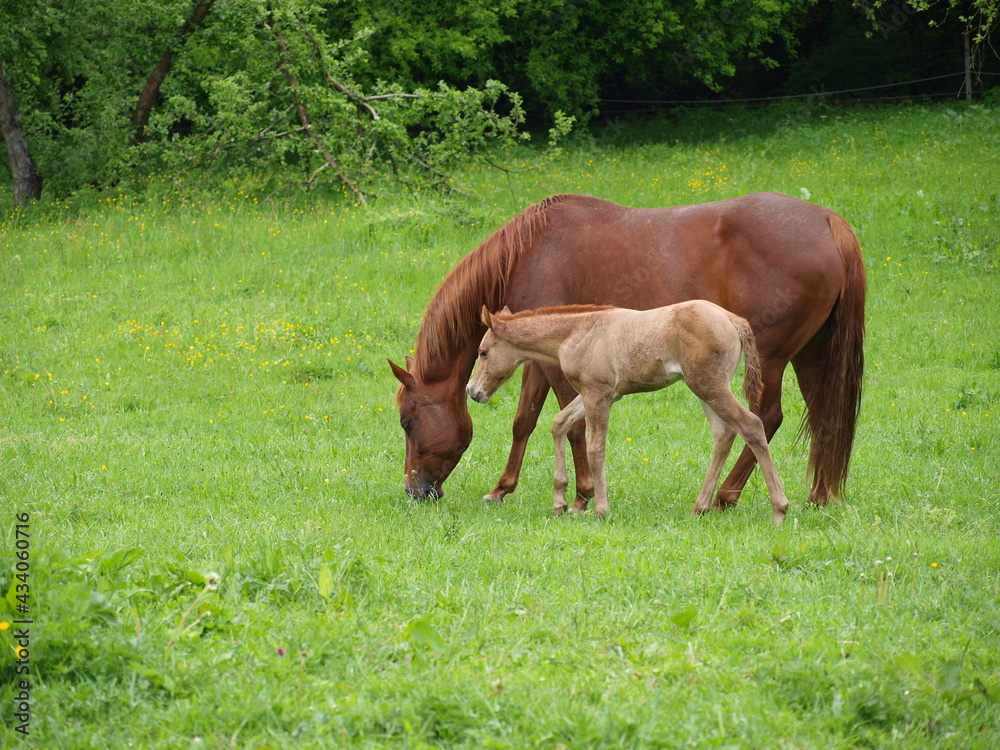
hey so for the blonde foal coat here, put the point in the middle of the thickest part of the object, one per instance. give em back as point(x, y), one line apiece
point(609, 352)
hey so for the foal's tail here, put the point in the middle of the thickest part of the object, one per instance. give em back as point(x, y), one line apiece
point(753, 386)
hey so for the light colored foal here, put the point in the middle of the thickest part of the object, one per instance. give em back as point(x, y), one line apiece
point(609, 352)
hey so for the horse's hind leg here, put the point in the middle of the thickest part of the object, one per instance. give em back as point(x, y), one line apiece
point(722, 443)
point(808, 365)
point(534, 390)
point(771, 417)
point(751, 429)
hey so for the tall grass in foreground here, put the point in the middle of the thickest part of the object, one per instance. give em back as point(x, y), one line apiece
point(198, 418)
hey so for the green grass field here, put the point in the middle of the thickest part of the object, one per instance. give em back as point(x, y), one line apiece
point(198, 425)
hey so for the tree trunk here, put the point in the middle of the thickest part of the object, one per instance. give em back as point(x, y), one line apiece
point(147, 97)
point(968, 68)
point(27, 180)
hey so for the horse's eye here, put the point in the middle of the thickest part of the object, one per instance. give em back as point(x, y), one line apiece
point(406, 424)
point(482, 354)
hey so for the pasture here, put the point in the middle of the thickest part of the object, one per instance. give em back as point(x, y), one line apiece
point(198, 419)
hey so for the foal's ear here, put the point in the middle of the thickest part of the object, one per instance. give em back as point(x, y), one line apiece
point(491, 321)
point(505, 311)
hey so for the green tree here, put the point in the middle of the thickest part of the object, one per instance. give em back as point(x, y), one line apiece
point(263, 86)
point(116, 89)
point(564, 54)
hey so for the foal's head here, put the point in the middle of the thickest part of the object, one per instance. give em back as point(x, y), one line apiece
point(498, 359)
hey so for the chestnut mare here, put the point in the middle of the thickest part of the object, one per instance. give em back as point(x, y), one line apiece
point(608, 352)
point(791, 268)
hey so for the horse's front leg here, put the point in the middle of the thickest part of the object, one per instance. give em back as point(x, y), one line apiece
point(534, 390)
point(561, 425)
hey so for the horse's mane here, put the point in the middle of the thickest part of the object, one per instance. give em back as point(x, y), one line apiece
point(452, 320)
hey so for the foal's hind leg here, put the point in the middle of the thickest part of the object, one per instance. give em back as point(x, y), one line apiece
point(722, 443)
point(771, 416)
point(751, 429)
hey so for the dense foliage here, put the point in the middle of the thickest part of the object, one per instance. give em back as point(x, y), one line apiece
point(348, 92)
point(562, 54)
point(234, 86)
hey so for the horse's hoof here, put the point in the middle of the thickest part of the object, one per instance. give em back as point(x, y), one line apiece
point(492, 499)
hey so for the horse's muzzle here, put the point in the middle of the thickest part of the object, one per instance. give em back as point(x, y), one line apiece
point(426, 490)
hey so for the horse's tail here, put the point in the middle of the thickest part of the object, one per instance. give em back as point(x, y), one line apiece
point(753, 386)
point(834, 396)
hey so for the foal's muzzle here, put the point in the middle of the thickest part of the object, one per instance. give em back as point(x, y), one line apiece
point(476, 393)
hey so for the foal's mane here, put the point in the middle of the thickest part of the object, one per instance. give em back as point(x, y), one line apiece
point(452, 319)
point(558, 310)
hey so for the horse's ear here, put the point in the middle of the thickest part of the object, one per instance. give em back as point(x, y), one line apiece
point(402, 375)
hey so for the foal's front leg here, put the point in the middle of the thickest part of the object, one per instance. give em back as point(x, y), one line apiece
point(561, 425)
point(577, 439)
point(598, 408)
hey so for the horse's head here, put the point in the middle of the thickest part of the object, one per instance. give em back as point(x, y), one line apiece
point(497, 359)
point(438, 430)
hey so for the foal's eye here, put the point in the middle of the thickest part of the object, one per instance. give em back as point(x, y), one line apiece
point(482, 354)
